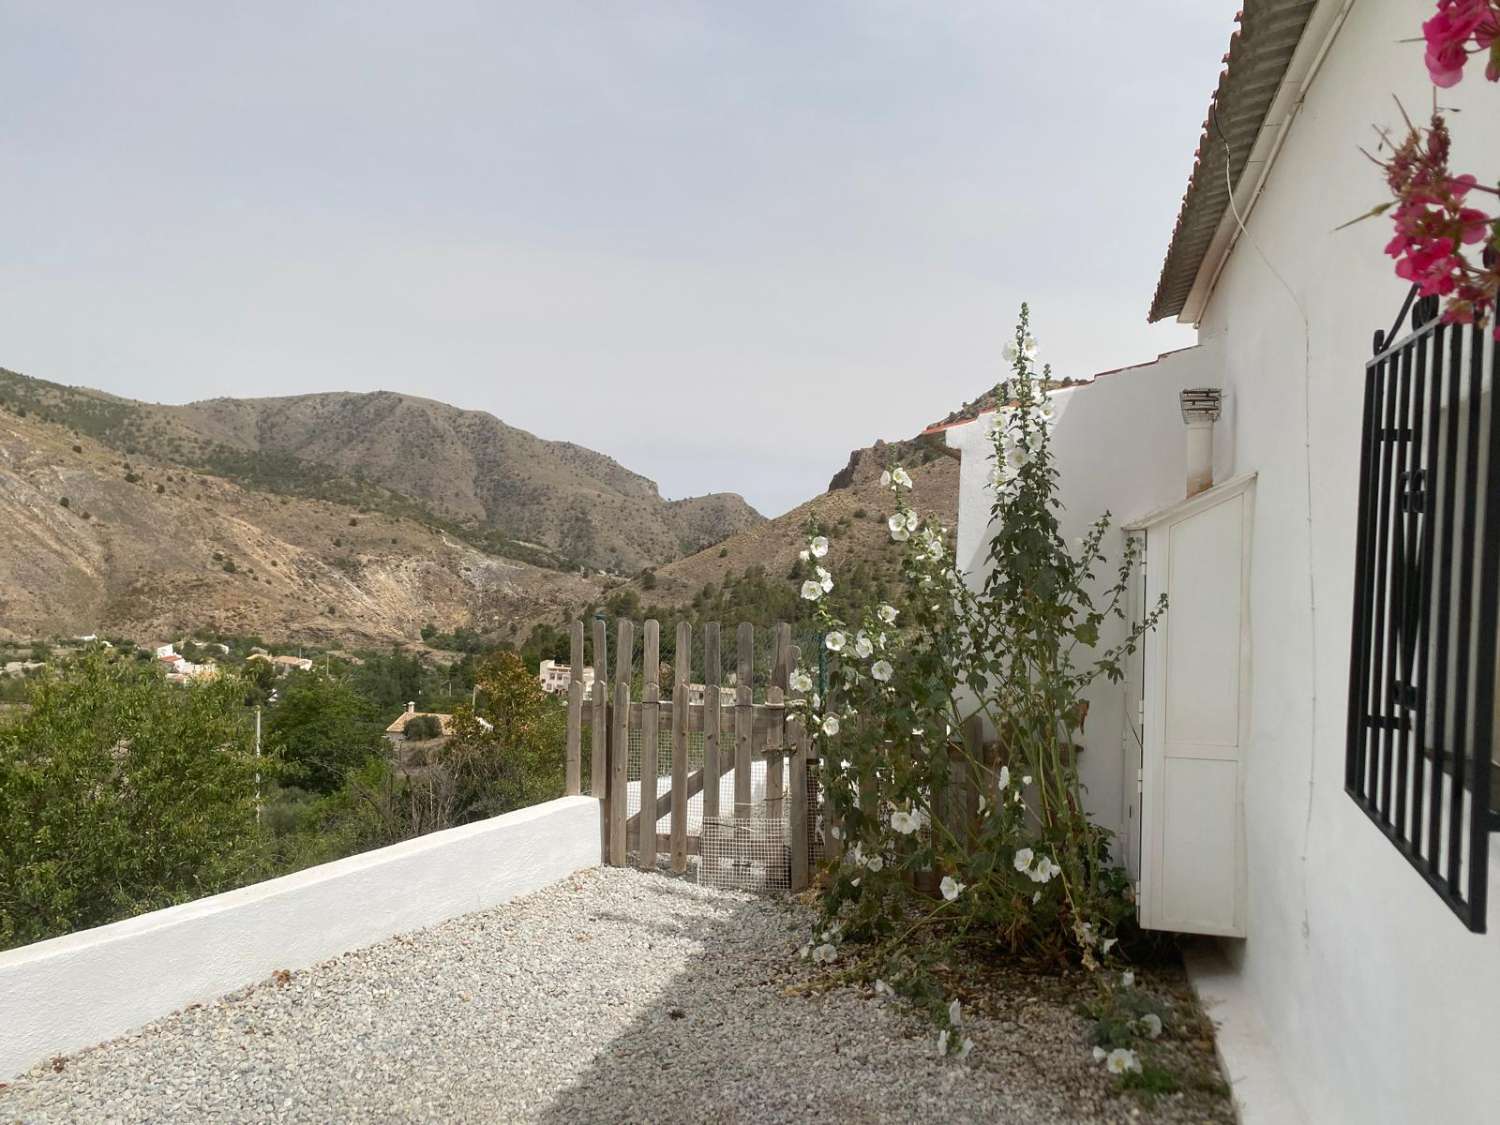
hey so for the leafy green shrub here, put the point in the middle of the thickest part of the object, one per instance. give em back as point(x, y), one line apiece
point(121, 793)
point(420, 728)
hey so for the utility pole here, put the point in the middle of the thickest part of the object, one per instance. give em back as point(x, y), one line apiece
point(257, 765)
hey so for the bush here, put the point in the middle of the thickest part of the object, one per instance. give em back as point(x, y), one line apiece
point(1030, 871)
point(65, 502)
point(121, 793)
point(320, 729)
point(420, 728)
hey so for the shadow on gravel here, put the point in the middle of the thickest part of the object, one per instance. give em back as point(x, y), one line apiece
point(719, 1042)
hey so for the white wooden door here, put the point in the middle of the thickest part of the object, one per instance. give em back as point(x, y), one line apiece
point(1192, 794)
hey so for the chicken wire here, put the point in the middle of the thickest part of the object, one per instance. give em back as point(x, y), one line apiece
point(746, 853)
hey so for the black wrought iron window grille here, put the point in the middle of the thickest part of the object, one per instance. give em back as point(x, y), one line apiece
point(1421, 753)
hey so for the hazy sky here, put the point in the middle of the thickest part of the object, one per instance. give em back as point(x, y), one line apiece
point(723, 242)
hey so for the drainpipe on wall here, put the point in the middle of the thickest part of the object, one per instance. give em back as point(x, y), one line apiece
point(1200, 410)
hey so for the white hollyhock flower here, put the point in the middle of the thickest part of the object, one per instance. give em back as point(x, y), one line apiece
point(900, 478)
point(862, 646)
point(804, 555)
point(965, 1048)
point(903, 822)
point(955, 1012)
point(819, 546)
point(825, 954)
point(896, 522)
point(1004, 777)
point(875, 862)
point(881, 670)
point(1046, 410)
point(1036, 898)
point(1028, 347)
point(1008, 352)
point(1099, 1053)
point(951, 887)
point(831, 725)
point(827, 583)
point(812, 591)
point(801, 681)
point(943, 1041)
point(834, 641)
point(1017, 457)
point(1152, 1023)
point(887, 613)
point(885, 479)
point(1023, 858)
point(900, 534)
point(1122, 1059)
point(912, 520)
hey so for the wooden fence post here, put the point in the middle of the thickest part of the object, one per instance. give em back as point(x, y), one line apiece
point(682, 664)
point(797, 836)
point(775, 730)
point(573, 778)
point(711, 677)
point(619, 744)
point(650, 750)
point(599, 732)
point(744, 719)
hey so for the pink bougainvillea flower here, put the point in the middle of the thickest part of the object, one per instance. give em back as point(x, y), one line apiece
point(1449, 32)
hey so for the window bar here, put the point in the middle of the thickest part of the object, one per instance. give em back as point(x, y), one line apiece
point(1393, 713)
point(1411, 585)
point(1445, 604)
point(1422, 671)
point(1484, 687)
point(1359, 678)
point(1466, 583)
point(1375, 710)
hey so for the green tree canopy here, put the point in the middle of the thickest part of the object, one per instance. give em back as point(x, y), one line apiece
point(320, 729)
point(121, 793)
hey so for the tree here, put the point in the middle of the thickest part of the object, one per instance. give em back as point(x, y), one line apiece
point(421, 728)
point(121, 793)
point(509, 751)
point(320, 729)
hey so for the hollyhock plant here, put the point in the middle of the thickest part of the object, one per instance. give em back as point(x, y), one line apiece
point(932, 848)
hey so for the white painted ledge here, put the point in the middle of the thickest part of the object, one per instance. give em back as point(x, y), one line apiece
point(1262, 1094)
point(74, 991)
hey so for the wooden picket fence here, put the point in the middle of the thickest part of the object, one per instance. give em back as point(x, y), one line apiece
point(710, 741)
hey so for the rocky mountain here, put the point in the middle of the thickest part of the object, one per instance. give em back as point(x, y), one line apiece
point(97, 542)
point(852, 511)
point(503, 488)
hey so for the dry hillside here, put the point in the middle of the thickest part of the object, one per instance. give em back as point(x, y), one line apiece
point(548, 501)
point(854, 500)
point(134, 546)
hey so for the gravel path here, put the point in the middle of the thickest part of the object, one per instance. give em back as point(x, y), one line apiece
point(611, 996)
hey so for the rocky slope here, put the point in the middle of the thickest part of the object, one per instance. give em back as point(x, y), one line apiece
point(548, 501)
point(97, 542)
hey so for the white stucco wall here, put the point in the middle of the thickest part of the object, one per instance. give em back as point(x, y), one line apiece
point(1119, 447)
point(1381, 1005)
point(70, 992)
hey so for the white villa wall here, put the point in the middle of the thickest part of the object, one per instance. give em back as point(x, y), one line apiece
point(74, 991)
point(1119, 446)
point(1381, 1005)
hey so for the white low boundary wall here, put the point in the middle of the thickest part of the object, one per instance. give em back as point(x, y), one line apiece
point(74, 991)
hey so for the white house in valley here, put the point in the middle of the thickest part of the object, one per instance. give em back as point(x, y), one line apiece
point(1300, 763)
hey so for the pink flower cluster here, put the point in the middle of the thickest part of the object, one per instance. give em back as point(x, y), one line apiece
point(1433, 225)
point(1449, 33)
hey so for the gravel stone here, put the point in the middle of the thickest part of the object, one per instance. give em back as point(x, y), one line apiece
point(611, 996)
